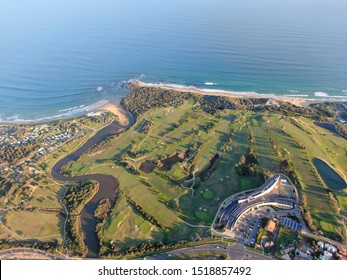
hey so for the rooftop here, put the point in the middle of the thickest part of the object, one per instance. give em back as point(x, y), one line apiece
point(271, 226)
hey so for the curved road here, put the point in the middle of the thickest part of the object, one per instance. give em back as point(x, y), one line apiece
point(108, 185)
point(235, 252)
point(27, 253)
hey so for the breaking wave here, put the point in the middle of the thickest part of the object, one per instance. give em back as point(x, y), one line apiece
point(321, 94)
point(210, 84)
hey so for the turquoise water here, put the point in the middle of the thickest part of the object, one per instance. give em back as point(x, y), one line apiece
point(61, 56)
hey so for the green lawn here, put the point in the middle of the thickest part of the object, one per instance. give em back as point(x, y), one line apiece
point(35, 225)
point(266, 155)
point(287, 237)
point(318, 201)
point(127, 228)
point(46, 196)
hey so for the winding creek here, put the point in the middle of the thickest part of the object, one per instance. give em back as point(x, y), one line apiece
point(108, 185)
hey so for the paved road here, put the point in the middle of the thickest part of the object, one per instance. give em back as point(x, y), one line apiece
point(326, 239)
point(235, 252)
point(21, 253)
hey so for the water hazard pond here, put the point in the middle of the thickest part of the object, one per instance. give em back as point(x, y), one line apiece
point(332, 179)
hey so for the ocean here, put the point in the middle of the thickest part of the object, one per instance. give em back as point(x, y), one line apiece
point(63, 57)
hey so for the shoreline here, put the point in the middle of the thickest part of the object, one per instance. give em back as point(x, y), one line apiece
point(298, 101)
point(103, 105)
point(117, 109)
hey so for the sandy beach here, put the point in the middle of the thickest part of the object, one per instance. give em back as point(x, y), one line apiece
point(122, 114)
point(124, 117)
point(234, 94)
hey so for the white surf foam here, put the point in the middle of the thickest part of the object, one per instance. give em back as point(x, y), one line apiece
point(211, 91)
point(210, 84)
point(321, 94)
point(66, 114)
point(297, 95)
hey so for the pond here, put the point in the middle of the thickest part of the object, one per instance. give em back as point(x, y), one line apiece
point(332, 179)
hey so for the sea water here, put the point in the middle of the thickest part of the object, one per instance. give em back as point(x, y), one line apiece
point(59, 57)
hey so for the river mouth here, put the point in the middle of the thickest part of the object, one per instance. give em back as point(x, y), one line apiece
point(108, 187)
point(331, 178)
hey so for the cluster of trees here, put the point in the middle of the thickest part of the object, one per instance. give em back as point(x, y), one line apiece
point(144, 98)
point(101, 212)
point(307, 215)
point(326, 109)
point(23, 192)
point(50, 246)
point(11, 154)
point(143, 213)
point(247, 165)
point(114, 251)
point(5, 185)
point(289, 110)
point(102, 118)
point(207, 172)
point(76, 195)
point(287, 168)
point(145, 126)
point(342, 129)
point(74, 238)
point(212, 103)
point(334, 203)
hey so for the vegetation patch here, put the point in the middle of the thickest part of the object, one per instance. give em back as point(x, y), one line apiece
point(202, 215)
point(247, 164)
point(76, 196)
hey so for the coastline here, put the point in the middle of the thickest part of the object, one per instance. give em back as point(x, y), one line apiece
point(298, 101)
point(124, 116)
point(103, 105)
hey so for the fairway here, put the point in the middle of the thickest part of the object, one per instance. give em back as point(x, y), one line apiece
point(127, 228)
point(259, 131)
point(288, 138)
